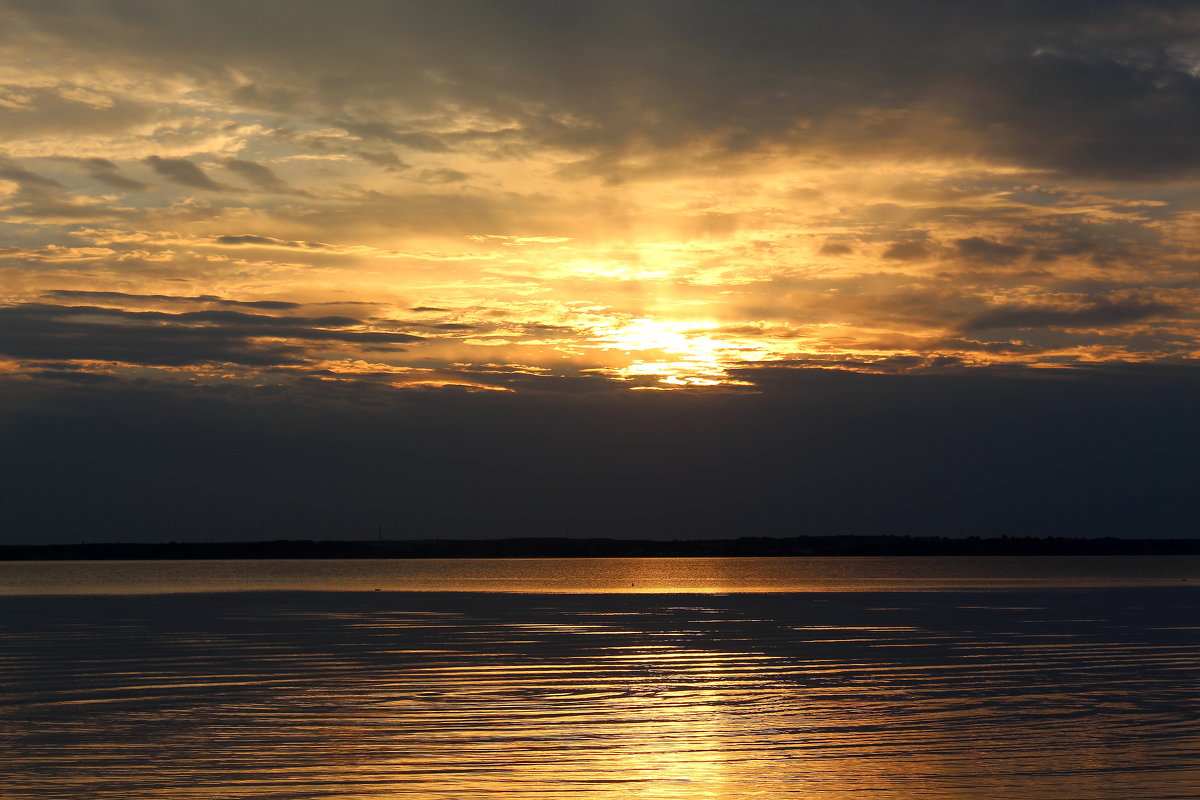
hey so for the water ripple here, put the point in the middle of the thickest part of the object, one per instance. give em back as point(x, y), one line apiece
point(290, 696)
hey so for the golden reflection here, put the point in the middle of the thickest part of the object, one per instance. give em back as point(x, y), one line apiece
point(475, 695)
point(683, 751)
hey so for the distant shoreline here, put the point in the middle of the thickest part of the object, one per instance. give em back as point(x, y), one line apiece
point(842, 546)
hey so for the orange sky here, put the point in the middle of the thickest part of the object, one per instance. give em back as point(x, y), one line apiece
point(654, 197)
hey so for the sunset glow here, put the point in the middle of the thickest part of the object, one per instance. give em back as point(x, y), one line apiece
point(440, 212)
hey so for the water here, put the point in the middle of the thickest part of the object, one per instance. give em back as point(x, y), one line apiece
point(1008, 678)
point(596, 575)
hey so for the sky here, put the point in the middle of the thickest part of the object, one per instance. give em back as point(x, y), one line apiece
point(675, 268)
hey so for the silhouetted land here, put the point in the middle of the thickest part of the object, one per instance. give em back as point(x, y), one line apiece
point(608, 548)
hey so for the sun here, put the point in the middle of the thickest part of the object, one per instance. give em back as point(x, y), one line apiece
point(679, 353)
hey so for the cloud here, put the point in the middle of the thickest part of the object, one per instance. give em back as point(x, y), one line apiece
point(251, 239)
point(1098, 314)
point(94, 333)
point(266, 305)
point(55, 120)
point(452, 326)
point(106, 172)
point(835, 249)
point(1107, 105)
point(820, 176)
point(57, 333)
point(183, 172)
point(261, 176)
point(985, 251)
point(1098, 453)
point(906, 251)
point(415, 140)
point(28, 181)
point(1099, 88)
point(441, 176)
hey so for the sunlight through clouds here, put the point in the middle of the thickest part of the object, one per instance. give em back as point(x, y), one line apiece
point(621, 192)
point(676, 354)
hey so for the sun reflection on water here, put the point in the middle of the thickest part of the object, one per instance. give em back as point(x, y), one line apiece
point(444, 696)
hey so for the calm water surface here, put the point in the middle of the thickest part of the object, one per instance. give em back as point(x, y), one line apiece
point(719, 678)
point(595, 575)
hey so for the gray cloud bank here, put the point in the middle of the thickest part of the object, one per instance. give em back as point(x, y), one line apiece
point(50, 332)
point(822, 452)
point(1102, 88)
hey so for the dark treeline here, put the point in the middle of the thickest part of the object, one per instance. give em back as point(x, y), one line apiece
point(609, 548)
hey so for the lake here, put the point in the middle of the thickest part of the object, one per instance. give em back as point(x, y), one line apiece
point(611, 678)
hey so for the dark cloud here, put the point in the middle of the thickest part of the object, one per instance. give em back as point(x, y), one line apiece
point(266, 241)
point(1100, 88)
point(414, 140)
point(836, 249)
point(381, 156)
point(387, 161)
point(44, 112)
point(988, 252)
point(1119, 106)
point(906, 251)
point(106, 172)
point(441, 176)
point(973, 346)
point(266, 305)
point(247, 238)
point(242, 318)
point(46, 200)
point(273, 98)
point(70, 376)
point(261, 176)
point(26, 179)
point(1112, 451)
point(270, 305)
point(896, 364)
point(80, 333)
point(182, 172)
point(50, 332)
point(1098, 314)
